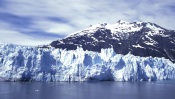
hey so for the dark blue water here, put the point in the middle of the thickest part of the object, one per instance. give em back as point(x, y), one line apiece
point(88, 90)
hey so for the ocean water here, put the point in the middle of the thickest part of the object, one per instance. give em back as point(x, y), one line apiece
point(88, 90)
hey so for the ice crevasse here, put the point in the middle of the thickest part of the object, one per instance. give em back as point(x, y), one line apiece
point(20, 63)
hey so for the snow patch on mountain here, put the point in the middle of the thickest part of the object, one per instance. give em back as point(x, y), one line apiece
point(37, 64)
point(137, 46)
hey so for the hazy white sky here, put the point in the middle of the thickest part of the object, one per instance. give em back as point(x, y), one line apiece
point(33, 22)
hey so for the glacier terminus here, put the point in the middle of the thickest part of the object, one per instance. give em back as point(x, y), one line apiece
point(19, 63)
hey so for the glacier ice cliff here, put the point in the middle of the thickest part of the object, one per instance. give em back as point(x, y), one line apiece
point(21, 63)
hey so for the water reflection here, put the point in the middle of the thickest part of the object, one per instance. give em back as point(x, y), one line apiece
point(87, 90)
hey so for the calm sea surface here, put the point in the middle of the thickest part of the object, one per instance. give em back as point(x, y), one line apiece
point(88, 90)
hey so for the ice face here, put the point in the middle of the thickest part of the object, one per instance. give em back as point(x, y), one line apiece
point(29, 63)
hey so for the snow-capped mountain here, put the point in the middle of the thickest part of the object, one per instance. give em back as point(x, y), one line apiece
point(138, 38)
point(119, 52)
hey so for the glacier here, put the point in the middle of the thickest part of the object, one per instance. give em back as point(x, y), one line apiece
point(23, 63)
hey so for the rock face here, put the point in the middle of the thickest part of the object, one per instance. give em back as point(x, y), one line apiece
point(138, 38)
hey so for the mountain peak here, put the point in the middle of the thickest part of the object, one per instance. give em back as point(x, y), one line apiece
point(122, 22)
point(120, 27)
point(138, 38)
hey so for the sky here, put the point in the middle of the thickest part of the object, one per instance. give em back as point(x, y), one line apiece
point(36, 22)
